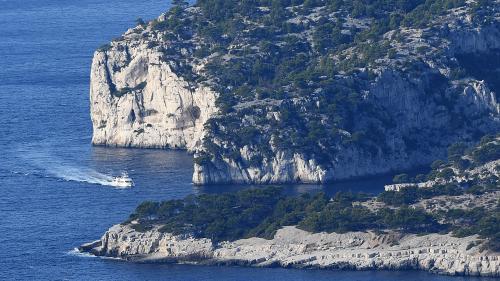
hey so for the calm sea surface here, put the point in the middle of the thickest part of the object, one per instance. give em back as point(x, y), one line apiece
point(54, 195)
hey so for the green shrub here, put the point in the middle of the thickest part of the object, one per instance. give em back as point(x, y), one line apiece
point(401, 178)
point(485, 153)
point(261, 212)
point(446, 173)
point(437, 164)
point(410, 219)
point(413, 194)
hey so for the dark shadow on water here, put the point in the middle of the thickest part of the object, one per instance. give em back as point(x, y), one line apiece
point(371, 185)
point(221, 273)
point(152, 158)
point(169, 166)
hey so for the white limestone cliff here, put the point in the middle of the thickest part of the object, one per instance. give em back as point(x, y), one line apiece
point(394, 92)
point(292, 247)
point(283, 168)
point(138, 101)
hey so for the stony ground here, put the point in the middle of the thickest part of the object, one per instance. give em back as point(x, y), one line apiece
point(292, 247)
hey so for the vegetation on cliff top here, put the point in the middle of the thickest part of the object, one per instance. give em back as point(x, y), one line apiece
point(309, 63)
point(261, 212)
point(461, 162)
point(455, 177)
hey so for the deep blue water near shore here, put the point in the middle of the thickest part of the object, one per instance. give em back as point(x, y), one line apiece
point(51, 178)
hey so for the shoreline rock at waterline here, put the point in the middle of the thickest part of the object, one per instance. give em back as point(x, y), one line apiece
point(153, 89)
point(292, 247)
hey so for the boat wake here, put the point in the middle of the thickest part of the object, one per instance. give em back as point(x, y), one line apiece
point(47, 165)
point(80, 174)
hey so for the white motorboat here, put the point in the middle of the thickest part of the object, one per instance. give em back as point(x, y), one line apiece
point(122, 181)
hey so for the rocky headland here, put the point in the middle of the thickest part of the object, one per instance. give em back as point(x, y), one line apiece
point(448, 224)
point(245, 104)
point(292, 247)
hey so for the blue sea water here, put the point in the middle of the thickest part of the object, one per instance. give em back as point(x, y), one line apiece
point(54, 195)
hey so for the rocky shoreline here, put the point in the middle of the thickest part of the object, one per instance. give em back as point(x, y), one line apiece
point(141, 97)
point(292, 247)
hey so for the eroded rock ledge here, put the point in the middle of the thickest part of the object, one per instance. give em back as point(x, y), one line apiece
point(292, 247)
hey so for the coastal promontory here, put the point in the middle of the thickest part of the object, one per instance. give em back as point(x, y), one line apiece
point(301, 91)
point(446, 222)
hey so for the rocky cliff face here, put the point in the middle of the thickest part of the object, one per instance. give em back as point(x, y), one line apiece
point(477, 166)
point(427, 114)
point(284, 167)
point(411, 103)
point(488, 170)
point(138, 101)
point(423, 126)
point(292, 247)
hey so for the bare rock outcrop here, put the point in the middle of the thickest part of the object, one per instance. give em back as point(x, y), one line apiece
point(146, 92)
point(292, 247)
point(137, 100)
